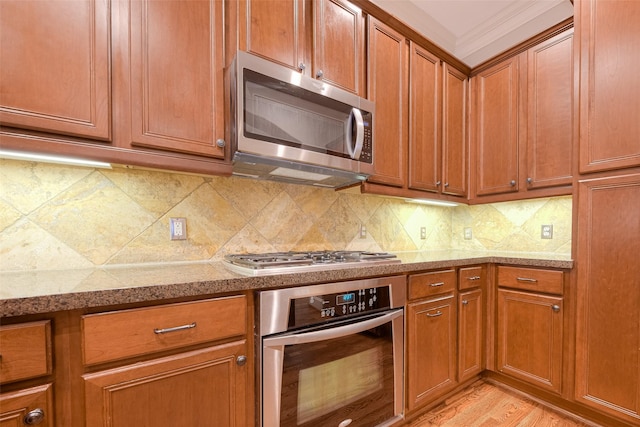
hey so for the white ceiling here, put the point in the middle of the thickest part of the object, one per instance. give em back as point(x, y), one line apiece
point(476, 30)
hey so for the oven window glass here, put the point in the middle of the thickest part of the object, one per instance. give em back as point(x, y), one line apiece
point(351, 377)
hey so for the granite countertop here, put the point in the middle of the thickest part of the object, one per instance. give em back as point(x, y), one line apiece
point(37, 291)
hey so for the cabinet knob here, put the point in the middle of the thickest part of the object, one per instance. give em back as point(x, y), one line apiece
point(446, 184)
point(529, 180)
point(513, 183)
point(220, 143)
point(34, 417)
point(438, 183)
point(301, 66)
point(465, 302)
point(319, 74)
point(241, 360)
point(555, 308)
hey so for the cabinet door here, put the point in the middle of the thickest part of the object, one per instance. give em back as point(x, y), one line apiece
point(200, 388)
point(470, 334)
point(35, 402)
point(550, 112)
point(608, 294)
point(608, 32)
point(387, 70)
point(176, 75)
point(275, 30)
point(454, 131)
point(424, 130)
point(529, 333)
point(339, 44)
point(496, 128)
point(431, 344)
point(55, 66)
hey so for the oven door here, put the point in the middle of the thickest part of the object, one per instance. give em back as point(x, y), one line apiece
point(347, 375)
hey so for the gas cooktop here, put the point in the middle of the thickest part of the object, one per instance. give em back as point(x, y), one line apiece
point(297, 262)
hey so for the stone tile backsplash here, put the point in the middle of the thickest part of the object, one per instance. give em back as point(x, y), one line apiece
point(60, 217)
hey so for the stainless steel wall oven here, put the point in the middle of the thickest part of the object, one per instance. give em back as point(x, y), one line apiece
point(331, 354)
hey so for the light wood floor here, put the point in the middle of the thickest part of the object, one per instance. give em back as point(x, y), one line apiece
point(487, 405)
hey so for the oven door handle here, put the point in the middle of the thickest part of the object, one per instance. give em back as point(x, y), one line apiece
point(327, 334)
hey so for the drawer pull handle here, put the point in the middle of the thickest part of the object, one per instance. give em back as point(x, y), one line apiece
point(174, 329)
point(436, 314)
point(526, 279)
point(34, 417)
point(435, 285)
point(474, 278)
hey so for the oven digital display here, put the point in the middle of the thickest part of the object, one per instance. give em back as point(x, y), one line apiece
point(349, 298)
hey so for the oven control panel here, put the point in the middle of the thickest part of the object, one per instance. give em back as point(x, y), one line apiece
point(321, 308)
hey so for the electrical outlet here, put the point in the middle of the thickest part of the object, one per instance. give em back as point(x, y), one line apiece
point(363, 231)
point(546, 231)
point(468, 234)
point(423, 233)
point(178, 228)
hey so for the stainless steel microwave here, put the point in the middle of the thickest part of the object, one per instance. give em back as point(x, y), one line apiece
point(285, 126)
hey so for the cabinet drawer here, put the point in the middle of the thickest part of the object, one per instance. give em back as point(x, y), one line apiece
point(548, 281)
point(471, 277)
point(434, 283)
point(25, 351)
point(127, 333)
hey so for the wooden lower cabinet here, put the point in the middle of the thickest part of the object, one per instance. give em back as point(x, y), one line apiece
point(33, 404)
point(199, 388)
point(608, 296)
point(529, 334)
point(470, 334)
point(431, 347)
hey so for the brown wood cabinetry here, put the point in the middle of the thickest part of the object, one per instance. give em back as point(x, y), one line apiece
point(523, 123)
point(608, 296)
point(127, 82)
point(175, 76)
point(26, 353)
point(387, 80)
point(322, 38)
point(495, 128)
point(471, 283)
point(202, 387)
point(530, 328)
point(549, 115)
point(426, 155)
point(55, 73)
point(437, 125)
point(31, 404)
point(205, 386)
point(607, 33)
point(431, 337)
point(455, 152)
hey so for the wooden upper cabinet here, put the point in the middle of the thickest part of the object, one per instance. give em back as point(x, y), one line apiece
point(55, 72)
point(496, 128)
point(424, 124)
point(608, 296)
point(608, 34)
point(338, 54)
point(454, 132)
point(176, 69)
point(274, 30)
point(387, 87)
point(550, 112)
point(323, 38)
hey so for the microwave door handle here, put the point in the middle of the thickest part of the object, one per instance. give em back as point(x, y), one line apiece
point(355, 149)
point(327, 334)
